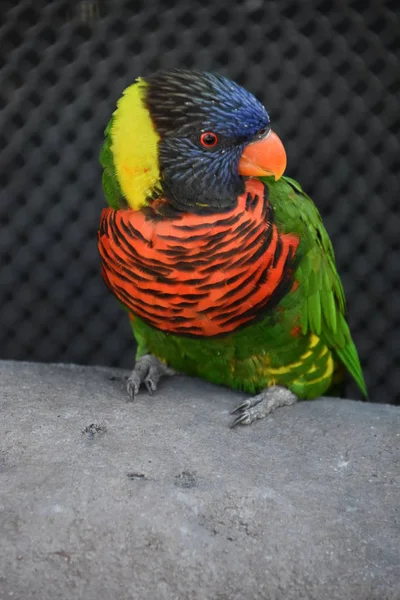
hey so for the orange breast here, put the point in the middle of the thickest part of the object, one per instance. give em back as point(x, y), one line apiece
point(202, 275)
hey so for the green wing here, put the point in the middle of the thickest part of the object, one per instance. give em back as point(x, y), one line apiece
point(324, 307)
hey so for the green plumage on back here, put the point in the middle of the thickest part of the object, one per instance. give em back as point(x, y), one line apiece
point(323, 310)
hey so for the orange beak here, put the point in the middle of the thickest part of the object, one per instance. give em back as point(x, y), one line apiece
point(264, 157)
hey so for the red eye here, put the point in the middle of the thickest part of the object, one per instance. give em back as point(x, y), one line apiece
point(209, 139)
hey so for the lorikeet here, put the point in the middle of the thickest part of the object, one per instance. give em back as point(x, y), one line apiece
point(224, 265)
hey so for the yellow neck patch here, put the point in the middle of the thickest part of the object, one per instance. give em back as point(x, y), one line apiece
point(134, 144)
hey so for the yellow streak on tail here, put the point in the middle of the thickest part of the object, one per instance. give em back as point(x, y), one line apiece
point(272, 374)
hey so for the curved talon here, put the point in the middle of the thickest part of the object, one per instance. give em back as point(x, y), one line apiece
point(150, 385)
point(243, 419)
point(241, 407)
point(133, 387)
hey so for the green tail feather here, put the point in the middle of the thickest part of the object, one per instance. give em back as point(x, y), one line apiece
point(349, 356)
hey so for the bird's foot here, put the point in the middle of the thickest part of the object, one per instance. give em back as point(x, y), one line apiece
point(261, 405)
point(148, 370)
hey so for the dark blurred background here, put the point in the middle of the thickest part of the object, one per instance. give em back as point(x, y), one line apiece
point(329, 74)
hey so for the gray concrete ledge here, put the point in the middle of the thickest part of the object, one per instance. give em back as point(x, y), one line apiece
point(102, 499)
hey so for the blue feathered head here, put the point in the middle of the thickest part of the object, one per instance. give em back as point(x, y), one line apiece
point(205, 121)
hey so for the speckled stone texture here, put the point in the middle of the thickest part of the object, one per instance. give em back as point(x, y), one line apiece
point(104, 499)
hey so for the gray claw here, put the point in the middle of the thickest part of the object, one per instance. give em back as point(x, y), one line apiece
point(150, 385)
point(133, 387)
point(241, 407)
point(243, 419)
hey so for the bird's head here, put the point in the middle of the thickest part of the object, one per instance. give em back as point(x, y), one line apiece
point(195, 135)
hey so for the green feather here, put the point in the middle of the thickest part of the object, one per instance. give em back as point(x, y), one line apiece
point(323, 311)
point(314, 312)
point(329, 309)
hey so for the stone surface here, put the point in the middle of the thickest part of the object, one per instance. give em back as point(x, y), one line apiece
point(104, 499)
